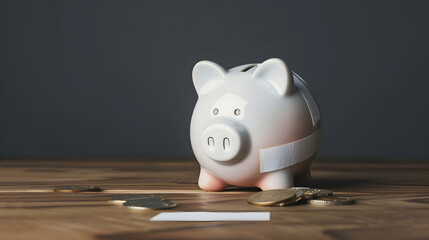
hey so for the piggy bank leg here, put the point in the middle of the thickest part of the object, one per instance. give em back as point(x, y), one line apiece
point(303, 179)
point(279, 179)
point(209, 182)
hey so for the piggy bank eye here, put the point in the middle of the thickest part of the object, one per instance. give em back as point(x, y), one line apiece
point(237, 112)
point(215, 111)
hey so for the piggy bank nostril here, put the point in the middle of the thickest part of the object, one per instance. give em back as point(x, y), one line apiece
point(210, 142)
point(226, 143)
point(223, 141)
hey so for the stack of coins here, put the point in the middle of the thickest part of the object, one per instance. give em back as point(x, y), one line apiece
point(284, 197)
point(142, 201)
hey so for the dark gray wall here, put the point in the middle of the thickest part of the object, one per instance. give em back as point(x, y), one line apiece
point(113, 78)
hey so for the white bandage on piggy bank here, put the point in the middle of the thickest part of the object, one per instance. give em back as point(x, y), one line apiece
point(255, 125)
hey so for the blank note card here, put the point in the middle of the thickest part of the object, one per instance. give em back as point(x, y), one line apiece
point(212, 216)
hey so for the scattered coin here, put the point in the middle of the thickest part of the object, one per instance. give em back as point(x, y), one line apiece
point(315, 193)
point(309, 193)
point(331, 201)
point(299, 194)
point(294, 195)
point(144, 204)
point(323, 193)
point(301, 188)
point(271, 197)
point(120, 199)
point(76, 188)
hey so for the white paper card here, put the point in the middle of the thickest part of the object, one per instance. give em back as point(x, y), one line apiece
point(212, 216)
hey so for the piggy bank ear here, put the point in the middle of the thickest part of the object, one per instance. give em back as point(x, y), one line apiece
point(207, 76)
point(275, 73)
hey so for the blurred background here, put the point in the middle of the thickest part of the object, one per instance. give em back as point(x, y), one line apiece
point(97, 79)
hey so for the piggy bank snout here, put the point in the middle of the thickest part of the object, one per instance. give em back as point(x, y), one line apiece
point(223, 141)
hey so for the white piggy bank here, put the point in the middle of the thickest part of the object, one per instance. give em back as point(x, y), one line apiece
point(255, 125)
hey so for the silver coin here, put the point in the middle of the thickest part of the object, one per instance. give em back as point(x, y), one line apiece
point(144, 204)
point(120, 199)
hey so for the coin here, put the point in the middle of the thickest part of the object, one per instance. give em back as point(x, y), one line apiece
point(76, 188)
point(323, 193)
point(144, 204)
point(301, 188)
point(120, 199)
point(271, 197)
point(298, 196)
point(331, 201)
point(309, 193)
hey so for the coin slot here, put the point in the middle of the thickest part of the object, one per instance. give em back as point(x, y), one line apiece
point(248, 68)
point(226, 144)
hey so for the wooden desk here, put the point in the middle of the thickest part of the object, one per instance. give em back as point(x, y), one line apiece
point(392, 202)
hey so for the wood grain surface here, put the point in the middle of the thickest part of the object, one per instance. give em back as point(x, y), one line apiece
point(392, 202)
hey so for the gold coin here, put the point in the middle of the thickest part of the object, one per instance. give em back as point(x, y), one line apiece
point(76, 188)
point(301, 188)
point(120, 199)
point(271, 197)
point(315, 193)
point(323, 193)
point(298, 197)
point(331, 201)
point(309, 193)
point(144, 204)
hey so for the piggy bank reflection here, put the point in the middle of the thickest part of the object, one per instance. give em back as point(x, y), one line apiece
point(255, 125)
